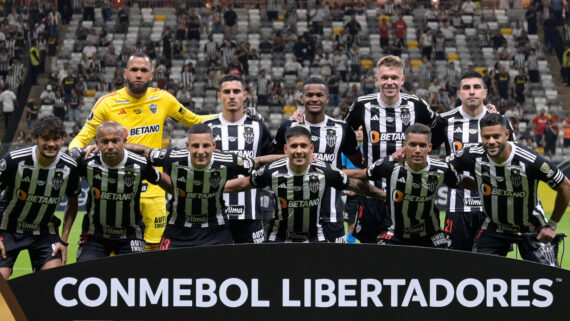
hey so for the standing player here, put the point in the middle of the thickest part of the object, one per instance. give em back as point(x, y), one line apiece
point(384, 118)
point(35, 180)
point(412, 187)
point(458, 129)
point(330, 138)
point(235, 133)
point(507, 176)
point(113, 222)
point(300, 186)
point(142, 111)
point(198, 176)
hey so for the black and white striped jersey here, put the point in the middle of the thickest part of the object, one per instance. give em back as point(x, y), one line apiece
point(300, 197)
point(33, 192)
point(330, 138)
point(246, 138)
point(383, 125)
point(457, 130)
point(197, 200)
point(113, 203)
point(509, 191)
point(411, 195)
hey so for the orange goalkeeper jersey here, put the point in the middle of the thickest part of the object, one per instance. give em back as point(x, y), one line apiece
point(142, 117)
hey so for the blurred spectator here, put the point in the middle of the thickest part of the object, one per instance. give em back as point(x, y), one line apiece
point(193, 24)
point(532, 19)
point(532, 66)
point(183, 96)
point(265, 45)
point(20, 139)
point(32, 110)
point(550, 135)
point(123, 20)
point(230, 23)
point(501, 82)
point(368, 82)
point(9, 100)
point(468, 7)
point(59, 106)
point(262, 85)
point(272, 9)
point(539, 123)
point(74, 106)
point(566, 127)
point(187, 78)
point(333, 85)
point(48, 96)
point(340, 63)
point(426, 43)
point(384, 30)
point(353, 28)
point(400, 28)
point(35, 61)
point(521, 86)
point(211, 50)
point(292, 67)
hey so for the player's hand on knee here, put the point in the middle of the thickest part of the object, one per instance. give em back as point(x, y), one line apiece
point(546, 234)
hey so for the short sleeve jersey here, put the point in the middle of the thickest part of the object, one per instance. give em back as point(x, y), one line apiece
point(113, 203)
point(412, 194)
point(246, 138)
point(197, 200)
point(33, 192)
point(330, 138)
point(142, 117)
point(384, 126)
point(300, 197)
point(509, 191)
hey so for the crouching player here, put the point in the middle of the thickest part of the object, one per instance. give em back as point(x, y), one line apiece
point(412, 191)
point(113, 222)
point(300, 186)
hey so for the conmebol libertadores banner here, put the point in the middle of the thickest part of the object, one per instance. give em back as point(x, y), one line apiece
point(297, 282)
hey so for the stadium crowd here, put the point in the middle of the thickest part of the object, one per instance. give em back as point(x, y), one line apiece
point(182, 63)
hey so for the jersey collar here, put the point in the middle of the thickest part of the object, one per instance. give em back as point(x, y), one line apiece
point(296, 174)
point(318, 124)
point(225, 122)
point(383, 104)
point(467, 116)
point(509, 159)
point(421, 170)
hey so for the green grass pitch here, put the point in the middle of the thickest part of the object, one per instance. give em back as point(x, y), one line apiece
point(23, 267)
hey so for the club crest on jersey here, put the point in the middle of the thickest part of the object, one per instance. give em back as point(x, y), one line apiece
point(57, 180)
point(90, 117)
point(405, 116)
point(248, 134)
point(129, 178)
point(215, 180)
point(431, 183)
point(516, 177)
point(314, 183)
point(153, 108)
point(331, 137)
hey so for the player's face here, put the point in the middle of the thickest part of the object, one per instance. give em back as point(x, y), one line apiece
point(49, 145)
point(389, 80)
point(111, 141)
point(315, 98)
point(299, 149)
point(138, 75)
point(472, 93)
point(494, 139)
point(201, 147)
point(359, 134)
point(418, 148)
point(232, 94)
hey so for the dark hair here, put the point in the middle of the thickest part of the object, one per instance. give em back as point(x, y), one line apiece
point(297, 131)
point(48, 126)
point(315, 81)
point(472, 74)
point(419, 129)
point(200, 129)
point(232, 78)
point(492, 119)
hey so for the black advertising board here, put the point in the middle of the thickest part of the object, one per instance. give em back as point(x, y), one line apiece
point(297, 282)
